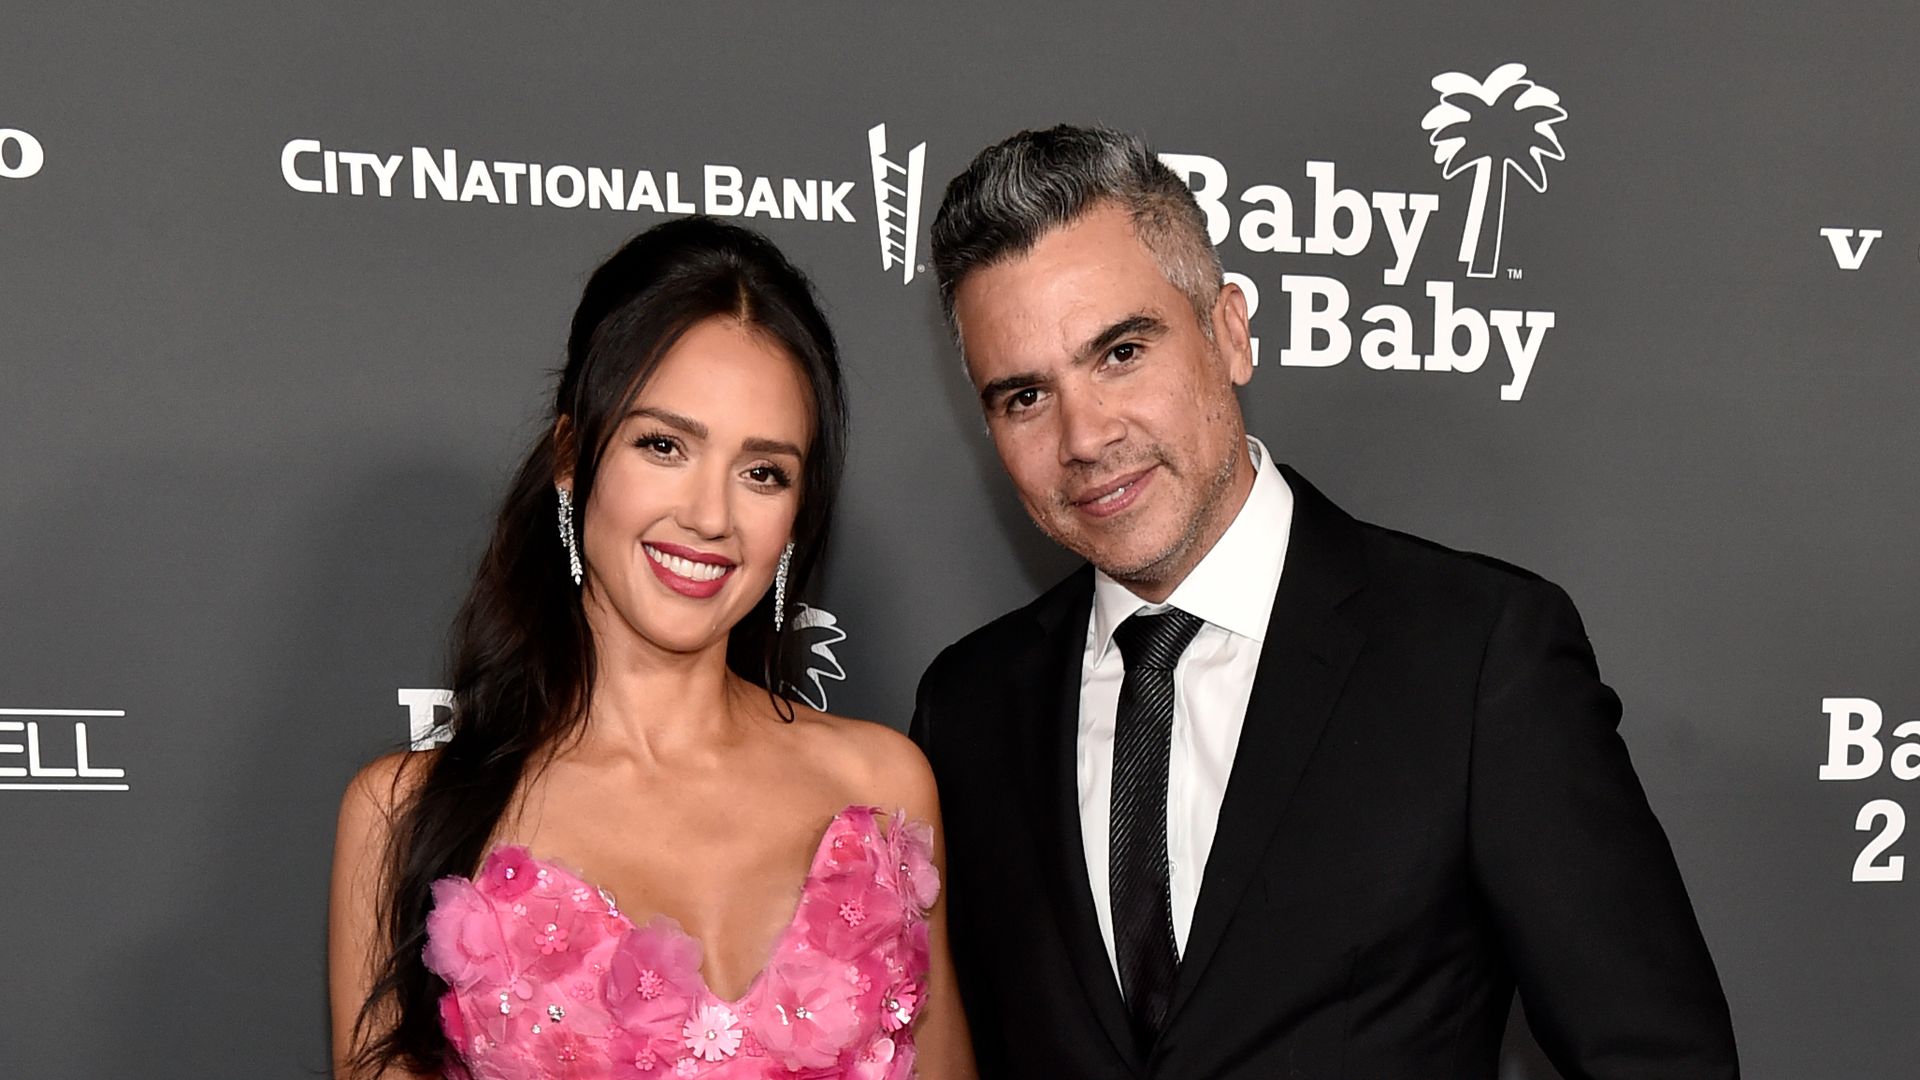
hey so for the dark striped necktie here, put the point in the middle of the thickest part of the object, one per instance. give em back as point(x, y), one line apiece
point(1150, 646)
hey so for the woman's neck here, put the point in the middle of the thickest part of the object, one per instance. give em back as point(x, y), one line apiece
point(650, 703)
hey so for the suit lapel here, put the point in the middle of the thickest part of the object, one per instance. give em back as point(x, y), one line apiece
point(1051, 695)
point(1310, 646)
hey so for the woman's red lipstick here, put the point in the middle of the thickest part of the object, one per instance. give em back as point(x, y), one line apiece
point(688, 571)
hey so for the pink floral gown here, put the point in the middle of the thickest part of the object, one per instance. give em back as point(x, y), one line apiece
point(548, 979)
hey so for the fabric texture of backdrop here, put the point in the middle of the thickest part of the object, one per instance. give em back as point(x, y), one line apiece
point(1623, 294)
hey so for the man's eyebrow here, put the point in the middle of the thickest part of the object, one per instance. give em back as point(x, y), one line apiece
point(1138, 324)
point(1009, 384)
point(672, 419)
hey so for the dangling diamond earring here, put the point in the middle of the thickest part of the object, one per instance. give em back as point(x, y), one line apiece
point(566, 532)
point(780, 587)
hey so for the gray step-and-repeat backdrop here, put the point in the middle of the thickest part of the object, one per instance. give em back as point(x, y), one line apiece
point(1623, 293)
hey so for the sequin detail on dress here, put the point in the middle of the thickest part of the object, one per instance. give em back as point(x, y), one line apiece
point(548, 979)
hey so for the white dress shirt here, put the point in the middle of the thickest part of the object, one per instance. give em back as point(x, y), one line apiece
point(1232, 589)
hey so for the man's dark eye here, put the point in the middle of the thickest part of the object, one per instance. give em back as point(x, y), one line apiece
point(1023, 399)
point(1123, 353)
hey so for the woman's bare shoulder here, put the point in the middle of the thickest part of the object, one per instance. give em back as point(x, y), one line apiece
point(380, 787)
point(879, 763)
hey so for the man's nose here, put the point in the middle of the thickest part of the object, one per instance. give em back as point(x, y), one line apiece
point(1087, 427)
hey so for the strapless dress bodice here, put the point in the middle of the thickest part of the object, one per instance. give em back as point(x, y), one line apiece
point(548, 979)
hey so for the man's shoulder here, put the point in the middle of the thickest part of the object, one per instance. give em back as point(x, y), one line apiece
point(1409, 571)
point(989, 647)
point(1394, 562)
point(1401, 552)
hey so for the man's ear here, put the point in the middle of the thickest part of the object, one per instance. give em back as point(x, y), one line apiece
point(1230, 331)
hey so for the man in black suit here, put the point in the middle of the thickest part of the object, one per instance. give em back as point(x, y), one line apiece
point(1263, 791)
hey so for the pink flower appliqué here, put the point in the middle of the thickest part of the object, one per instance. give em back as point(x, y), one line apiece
point(845, 847)
point(877, 1059)
point(452, 1024)
point(518, 1061)
point(644, 1056)
point(897, 1006)
point(465, 943)
point(914, 953)
point(805, 1016)
point(910, 848)
point(712, 1032)
point(553, 937)
point(509, 873)
point(903, 1057)
point(653, 976)
point(846, 913)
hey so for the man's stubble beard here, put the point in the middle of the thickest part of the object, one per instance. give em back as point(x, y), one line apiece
point(1157, 569)
point(1175, 559)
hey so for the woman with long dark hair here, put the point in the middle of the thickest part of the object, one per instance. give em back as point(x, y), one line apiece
point(635, 856)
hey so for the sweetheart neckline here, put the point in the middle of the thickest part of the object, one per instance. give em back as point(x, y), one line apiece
point(779, 939)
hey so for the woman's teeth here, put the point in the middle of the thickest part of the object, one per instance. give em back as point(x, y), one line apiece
point(687, 568)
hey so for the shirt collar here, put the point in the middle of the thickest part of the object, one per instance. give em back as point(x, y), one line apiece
point(1234, 584)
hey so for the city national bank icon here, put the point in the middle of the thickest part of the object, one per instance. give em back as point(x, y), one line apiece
point(896, 202)
point(1498, 128)
point(451, 175)
point(48, 732)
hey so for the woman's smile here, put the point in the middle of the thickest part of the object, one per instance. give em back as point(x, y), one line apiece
point(691, 573)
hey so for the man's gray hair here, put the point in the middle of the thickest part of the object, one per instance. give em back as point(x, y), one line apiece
point(1018, 189)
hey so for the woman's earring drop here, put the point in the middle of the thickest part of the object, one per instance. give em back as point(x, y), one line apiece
point(780, 588)
point(566, 532)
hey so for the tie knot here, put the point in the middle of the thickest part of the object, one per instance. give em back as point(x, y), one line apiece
point(1156, 641)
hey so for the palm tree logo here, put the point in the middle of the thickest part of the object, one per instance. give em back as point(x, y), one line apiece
point(1503, 125)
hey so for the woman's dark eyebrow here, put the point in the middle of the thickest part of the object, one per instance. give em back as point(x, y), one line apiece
point(772, 446)
point(699, 430)
point(672, 419)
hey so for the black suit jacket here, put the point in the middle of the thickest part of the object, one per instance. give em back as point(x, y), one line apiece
point(1429, 806)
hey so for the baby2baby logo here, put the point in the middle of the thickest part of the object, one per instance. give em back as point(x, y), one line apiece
point(1490, 130)
point(1863, 746)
